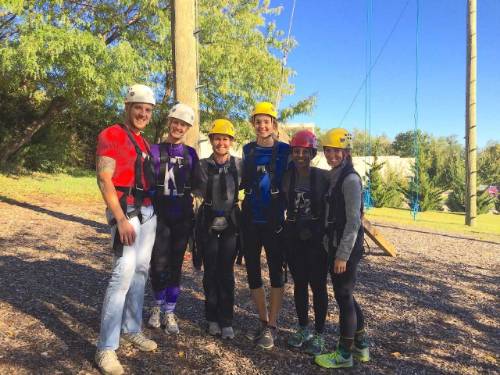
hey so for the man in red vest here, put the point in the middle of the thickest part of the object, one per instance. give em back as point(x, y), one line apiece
point(124, 176)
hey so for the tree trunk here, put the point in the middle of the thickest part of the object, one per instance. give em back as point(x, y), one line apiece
point(56, 105)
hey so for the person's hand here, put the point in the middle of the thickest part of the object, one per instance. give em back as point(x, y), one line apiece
point(126, 232)
point(339, 266)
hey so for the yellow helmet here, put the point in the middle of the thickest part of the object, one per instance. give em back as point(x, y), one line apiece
point(338, 138)
point(265, 108)
point(222, 126)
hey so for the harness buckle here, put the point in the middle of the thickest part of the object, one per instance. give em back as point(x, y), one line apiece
point(274, 191)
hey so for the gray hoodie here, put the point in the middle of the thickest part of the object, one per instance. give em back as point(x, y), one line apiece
point(351, 189)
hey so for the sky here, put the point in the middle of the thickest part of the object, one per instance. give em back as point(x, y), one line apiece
point(330, 61)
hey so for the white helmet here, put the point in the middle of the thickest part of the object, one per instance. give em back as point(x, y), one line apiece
point(140, 94)
point(183, 112)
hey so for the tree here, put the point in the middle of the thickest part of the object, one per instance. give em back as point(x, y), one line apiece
point(489, 164)
point(404, 143)
point(363, 144)
point(421, 186)
point(60, 58)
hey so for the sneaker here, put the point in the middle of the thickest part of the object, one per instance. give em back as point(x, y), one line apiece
point(299, 337)
point(337, 359)
point(108, 363)
point(316, 345)
point(255, 333)
point(227, 333)
point(140, 341)
point(266, 339)
point(155, 317)
point(213, 328)
point(170, 324)
point(361, 351)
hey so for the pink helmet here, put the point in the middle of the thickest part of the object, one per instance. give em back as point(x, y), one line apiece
point(304, 138)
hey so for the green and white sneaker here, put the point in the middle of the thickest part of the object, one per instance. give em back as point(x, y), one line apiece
point(316, 345)
point(361, 351)
point(301, 336)
point(337, 359)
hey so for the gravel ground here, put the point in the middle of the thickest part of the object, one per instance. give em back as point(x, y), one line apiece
point(432, 310)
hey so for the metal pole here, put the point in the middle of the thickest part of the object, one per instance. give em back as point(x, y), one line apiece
point(471, 124)
point(184, 41)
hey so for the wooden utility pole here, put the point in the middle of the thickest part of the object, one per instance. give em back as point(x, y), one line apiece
point(470, 113)
point(184, 51)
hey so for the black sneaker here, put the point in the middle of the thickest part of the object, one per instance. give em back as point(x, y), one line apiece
point(254, 334)
point(266, 339)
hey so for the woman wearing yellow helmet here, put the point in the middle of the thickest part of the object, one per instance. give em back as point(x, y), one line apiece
point(345, 240)
point(218, 178)
point(264, 163)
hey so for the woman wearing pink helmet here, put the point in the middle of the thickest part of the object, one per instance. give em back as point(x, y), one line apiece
point(304, 187)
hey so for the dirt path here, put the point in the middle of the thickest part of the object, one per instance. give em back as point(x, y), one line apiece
point(432, 310)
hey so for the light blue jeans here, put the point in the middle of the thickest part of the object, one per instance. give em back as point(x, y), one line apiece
point(124, 299)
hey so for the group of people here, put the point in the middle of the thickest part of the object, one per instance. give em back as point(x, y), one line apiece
point(305, 218)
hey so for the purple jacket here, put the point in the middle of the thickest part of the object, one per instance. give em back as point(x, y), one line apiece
point(173, 204)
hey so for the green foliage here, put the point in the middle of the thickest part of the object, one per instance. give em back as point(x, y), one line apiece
point(369, 145)
point(446, 161)
point(385, 190)
point(421, 185)
point(64, 61)
point(489, 164)
point(404, 143)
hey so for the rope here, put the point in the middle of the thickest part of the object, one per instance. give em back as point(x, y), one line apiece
point(285, 56)
point(415, 206)
point(367, 192)
point(375, 63)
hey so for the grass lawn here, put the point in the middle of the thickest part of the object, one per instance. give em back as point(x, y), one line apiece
point(441, 221)
point(58, 187)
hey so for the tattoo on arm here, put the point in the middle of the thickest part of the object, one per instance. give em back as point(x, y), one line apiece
point(104, 164)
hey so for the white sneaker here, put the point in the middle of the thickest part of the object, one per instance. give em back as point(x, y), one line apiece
point(140, 341)
point(227, 333)
point(213, 328)
point(155, 317)
point(108, 363)
point(170, 323)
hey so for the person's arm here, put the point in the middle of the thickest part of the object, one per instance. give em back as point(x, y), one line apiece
point(351, 189)
point(200, 179)
point(105, 168)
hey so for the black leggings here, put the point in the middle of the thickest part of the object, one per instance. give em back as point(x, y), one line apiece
point(254, 237)
point(219, 253)
point(308, 262)
point(168, 252)
point(351, 316)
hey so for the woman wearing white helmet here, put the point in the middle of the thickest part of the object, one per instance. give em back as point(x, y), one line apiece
point(174, 164)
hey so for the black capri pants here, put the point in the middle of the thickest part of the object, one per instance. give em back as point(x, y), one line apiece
point(256, 236)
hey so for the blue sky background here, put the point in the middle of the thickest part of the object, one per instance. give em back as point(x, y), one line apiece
point(330, 61)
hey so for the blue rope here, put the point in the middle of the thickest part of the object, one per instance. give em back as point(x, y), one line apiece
point(367, 192)
point(415, 206)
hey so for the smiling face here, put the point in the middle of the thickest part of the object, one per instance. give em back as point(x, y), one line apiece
point(177, 128)
point(264, 126)
point(221, 144)
point(334, 156)
point(138, 115)
point(301, 156)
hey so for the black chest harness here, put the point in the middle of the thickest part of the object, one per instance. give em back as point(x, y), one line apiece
point(144, 162)
point(316, 198)
point(214, 170)
point(179, 163)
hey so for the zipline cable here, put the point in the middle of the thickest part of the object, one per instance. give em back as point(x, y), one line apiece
point(415, 205)
point(375, 63)
point(367, 191)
